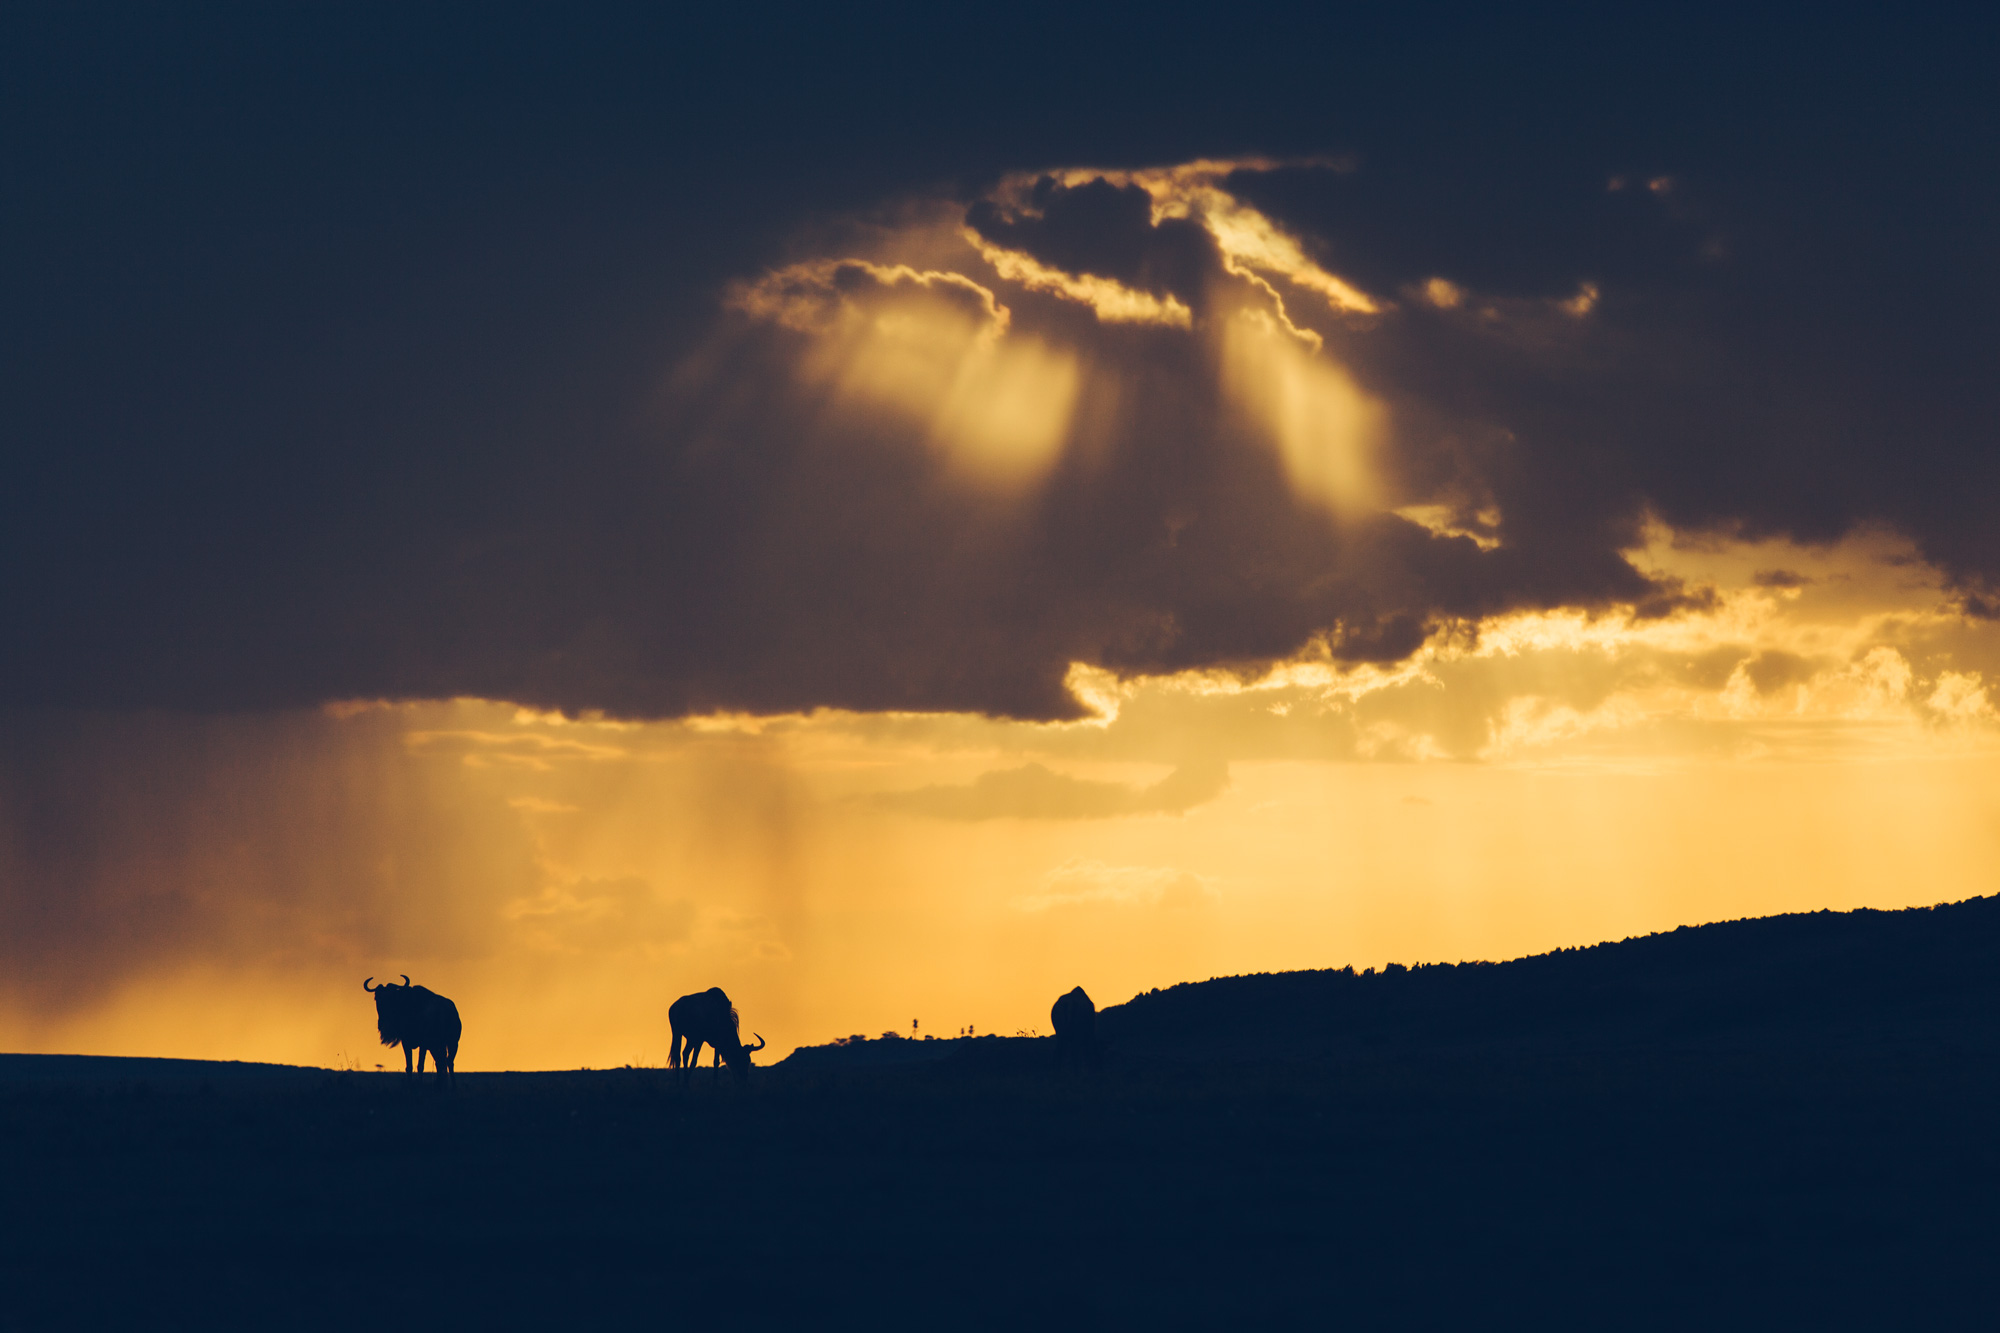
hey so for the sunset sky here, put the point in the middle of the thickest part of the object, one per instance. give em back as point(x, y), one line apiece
point(898, 514)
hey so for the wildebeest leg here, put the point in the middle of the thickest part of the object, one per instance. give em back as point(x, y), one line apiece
point(421, 1053)
point(406, 1059)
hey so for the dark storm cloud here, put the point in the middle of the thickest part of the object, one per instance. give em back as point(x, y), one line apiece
point(333, 342)
point(1106, 230)
point(862, 572)
point(1792, 354)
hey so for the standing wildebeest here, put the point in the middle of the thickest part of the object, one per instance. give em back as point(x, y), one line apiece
point(1075, 1020)
point(708, 1019)
point(418, 1020)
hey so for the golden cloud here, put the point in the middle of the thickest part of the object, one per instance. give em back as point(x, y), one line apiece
point(1081, 883)
point(1251, 244)
point(933, 347)
point(947, 337)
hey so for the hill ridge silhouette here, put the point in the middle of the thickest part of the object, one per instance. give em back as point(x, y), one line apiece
point(1809, 970)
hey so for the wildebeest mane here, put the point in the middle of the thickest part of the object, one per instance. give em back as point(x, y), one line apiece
point(401, 1019)
point(389, 1017)
point(735, 1020)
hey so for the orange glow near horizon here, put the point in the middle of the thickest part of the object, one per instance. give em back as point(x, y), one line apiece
point(1817, 740)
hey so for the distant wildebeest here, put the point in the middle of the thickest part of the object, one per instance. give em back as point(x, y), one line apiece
point(708, 1019)
point(419, 1020)
point(1075, 1021)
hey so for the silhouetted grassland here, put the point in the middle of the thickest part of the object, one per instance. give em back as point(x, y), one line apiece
point(1777, 1124)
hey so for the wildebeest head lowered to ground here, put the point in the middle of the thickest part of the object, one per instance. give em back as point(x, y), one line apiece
point(1075, 1021)
point(420, 1021)
point(708, 1019)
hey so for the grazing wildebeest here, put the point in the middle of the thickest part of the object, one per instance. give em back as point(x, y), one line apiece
point(1075, 1020)
point(419, 1020)
point(708, 1019)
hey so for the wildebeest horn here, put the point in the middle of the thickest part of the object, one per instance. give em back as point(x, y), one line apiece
point(760, 1042)
point(406, 978)
point(365, 986)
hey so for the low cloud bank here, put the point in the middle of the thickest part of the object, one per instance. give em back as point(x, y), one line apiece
point(1034, 791)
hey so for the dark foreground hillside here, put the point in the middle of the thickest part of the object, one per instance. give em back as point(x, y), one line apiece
point(1774, 1124)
